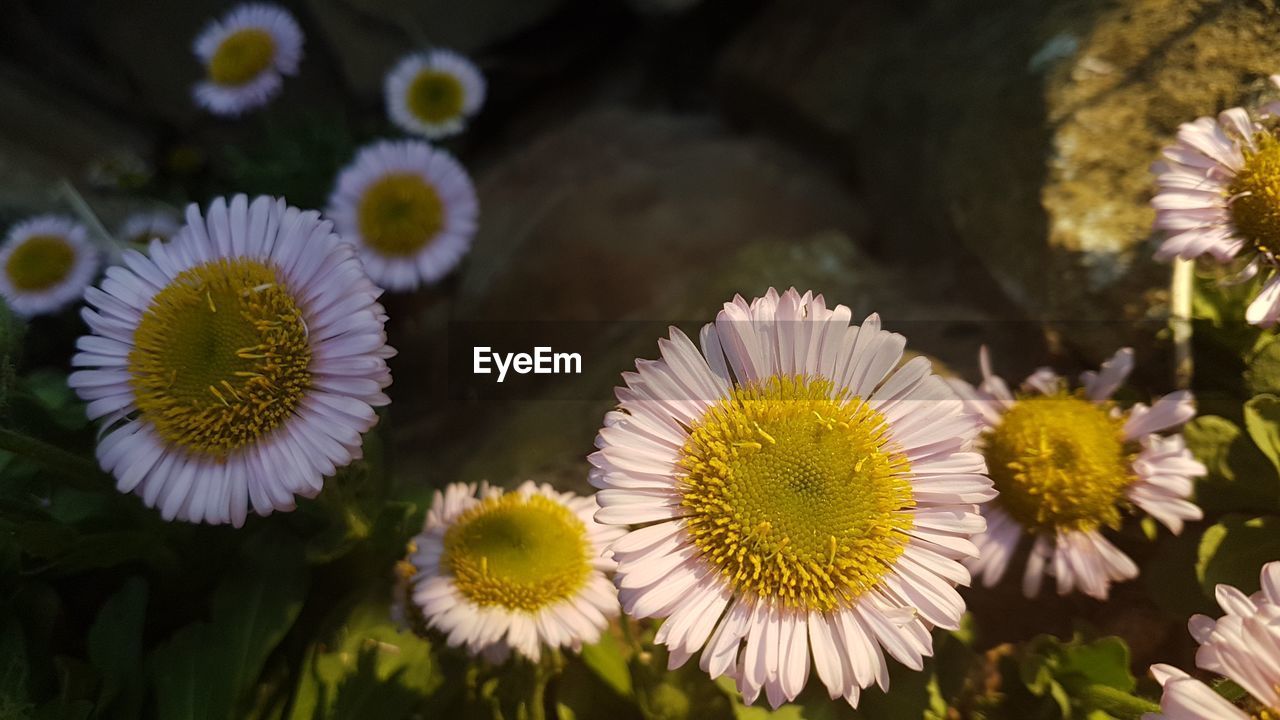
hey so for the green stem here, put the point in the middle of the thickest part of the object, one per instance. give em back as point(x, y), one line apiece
point(1116, 702)
point(543, 673)
point(639, 671)
point(50, 456)
point(88, 216)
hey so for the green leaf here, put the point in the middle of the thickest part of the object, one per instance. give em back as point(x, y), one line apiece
point(1262, 420)
point(1101, 662)
point(76, 681)
point(1170, 575)
point(56, 399)
point(1082, 678)
point(606, 661)
point(115, 638)
point(1263, 373)
point(1234, 551)
point(68, 551)
point(1240, 476)
point(205, 670)
point(14, 699)
point(786, 712)
point(71, 467)
point(369, 669)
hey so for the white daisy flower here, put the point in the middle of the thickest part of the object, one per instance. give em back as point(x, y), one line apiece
point(1243, 646)
point(141, 228)
point(46, 262)
point(518, 571)
point(1219, 197)
point(246, 53)
point(410, 209)
point(433, 93)
point(1069, 463)
point(235, 366)
point(803, 497)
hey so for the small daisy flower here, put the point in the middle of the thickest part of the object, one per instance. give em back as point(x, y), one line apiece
point(1243, 646)
point(46, 262)
point(518, 570)
point(235, 366)
point(141, 228)
point(802, 496)
point(434, 93)
point(1069, 463)
point(246, 53)
point(409, 208)
point(1219, 197)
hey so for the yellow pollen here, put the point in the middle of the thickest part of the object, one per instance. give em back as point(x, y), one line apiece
point(794, 492)
point(1256, 710)
point(435, 96)
point(1255, 195)
point(399, 214)
point(241, 57)
point(516, 552)
point(190, 370)
point(39, 263)
point(1060, 462)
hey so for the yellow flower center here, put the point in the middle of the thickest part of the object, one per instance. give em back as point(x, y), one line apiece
point(221, 357)
point(795, 492)
point(40, 263)
point(1059, 462)
point(399, 214)
point(242, 57)
point(435, 96)
point(1255, 192)
point(516, 552)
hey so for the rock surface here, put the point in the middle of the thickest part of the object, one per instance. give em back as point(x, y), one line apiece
point(368, 36)
point(576, 217)
point(1021, 129)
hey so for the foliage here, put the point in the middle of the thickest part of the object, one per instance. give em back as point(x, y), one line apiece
point(106, 611)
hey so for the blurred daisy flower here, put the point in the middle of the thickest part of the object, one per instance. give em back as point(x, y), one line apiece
point(141, 228)
point(246, 53)
point(433, 93)
point(521, 570)
point(1242, 646)
point(1219, 197)
point(235, 366)
point(802, 497)
point(410, 209)
point(46, 262)
point(1068, 463)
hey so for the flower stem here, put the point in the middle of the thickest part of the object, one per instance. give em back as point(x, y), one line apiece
point(50, 456)
point(1115, 702)
point(543, 672)
point(88, 216)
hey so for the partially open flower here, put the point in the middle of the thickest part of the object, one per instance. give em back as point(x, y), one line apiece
point(521, 570)
point(246, 53)
point(1241, 646)
point(1069, 463)
point(46, 262)
point(434, 93)
point(1219, 197)
point(801, 497)
point(235, 366)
